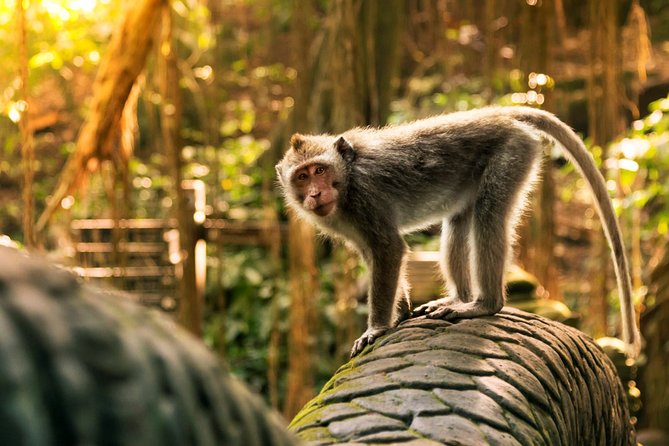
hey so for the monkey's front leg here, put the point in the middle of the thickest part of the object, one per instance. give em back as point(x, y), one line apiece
point(386, 288)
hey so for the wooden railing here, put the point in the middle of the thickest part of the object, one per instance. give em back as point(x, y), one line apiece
point(142, 255)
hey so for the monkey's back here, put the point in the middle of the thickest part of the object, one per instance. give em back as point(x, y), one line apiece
point(429, 168)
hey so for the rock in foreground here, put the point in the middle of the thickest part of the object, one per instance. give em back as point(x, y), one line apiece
point(81, 366)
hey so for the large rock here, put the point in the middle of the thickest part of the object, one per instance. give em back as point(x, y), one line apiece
point(79, 366)
point(509, 379)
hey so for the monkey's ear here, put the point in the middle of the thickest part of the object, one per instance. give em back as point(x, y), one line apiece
point(297, 141)
point(345, 149)
point(279, 173)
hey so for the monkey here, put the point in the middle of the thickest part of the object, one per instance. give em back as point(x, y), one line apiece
point(469, 170)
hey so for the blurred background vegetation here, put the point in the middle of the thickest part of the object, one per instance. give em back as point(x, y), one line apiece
point(138, 142)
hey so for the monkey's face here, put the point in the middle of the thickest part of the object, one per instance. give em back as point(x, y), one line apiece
point(312, 174)
point(314, 185)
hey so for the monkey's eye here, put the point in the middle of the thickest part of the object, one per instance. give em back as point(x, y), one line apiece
point(302, 177)
point(320, 170)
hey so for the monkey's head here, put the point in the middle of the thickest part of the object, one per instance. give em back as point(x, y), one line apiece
point(313, 172)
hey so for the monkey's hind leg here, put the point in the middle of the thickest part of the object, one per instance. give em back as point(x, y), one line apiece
point(502, 191)
point(454, 263)
point(403, 300)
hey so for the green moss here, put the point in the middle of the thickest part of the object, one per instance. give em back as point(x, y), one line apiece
point(317, 434)
point(303, 417)
point(303, 414)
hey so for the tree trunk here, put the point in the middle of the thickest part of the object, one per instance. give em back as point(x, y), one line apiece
point(384, 22)
point(272, 237)
point(352, 105)
point(303, 278)
point(539, 242)
point(639, 31)
point(27, 149)
point(303, 290)
point(490, 53)
point(655, 375)
point(605, 122)
point(190, 304)
point(119, 69)
point(364, 36)
point(351, 81)
point(560, 21)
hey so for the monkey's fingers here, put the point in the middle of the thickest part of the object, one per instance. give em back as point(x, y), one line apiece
point(358, 346)
point(432, 306)
point(443, 312)
point(367, 338)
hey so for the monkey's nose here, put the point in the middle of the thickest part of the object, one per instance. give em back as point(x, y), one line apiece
point(315, 194)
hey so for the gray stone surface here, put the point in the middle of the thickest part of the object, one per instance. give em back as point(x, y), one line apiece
point(81, 366)
point(403, 403)
point(510, 379)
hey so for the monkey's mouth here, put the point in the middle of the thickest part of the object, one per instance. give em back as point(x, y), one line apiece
point(324, 209)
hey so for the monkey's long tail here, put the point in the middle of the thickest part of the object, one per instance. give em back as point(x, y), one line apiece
point(579, 154)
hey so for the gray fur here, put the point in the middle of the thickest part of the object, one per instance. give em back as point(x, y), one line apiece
point(470, 169)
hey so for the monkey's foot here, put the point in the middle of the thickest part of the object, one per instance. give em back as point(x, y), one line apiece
point(367, 338)
point(434, 305)
point(450, 310)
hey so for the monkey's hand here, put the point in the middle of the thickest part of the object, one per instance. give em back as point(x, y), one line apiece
point(367, 338)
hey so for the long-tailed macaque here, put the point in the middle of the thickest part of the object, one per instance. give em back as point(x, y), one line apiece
point(472, 170)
